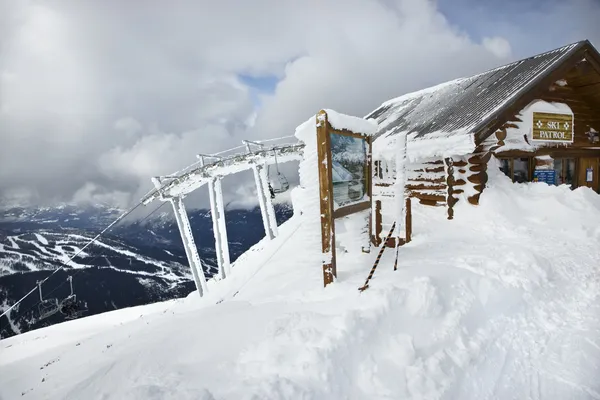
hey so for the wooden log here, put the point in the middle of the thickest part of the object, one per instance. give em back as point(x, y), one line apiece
point(425, 187)
point(437, 196)
point(421, 179)
point(326, 194)
point(462, 171)
point(481, 149)
point(428, 202)
point(450, 180)
point(501, 134)
point(431, 170)
point(494, 148)
point(480, 158)
point(457, 191)
point(460, 163)
point(479, 187)
point(427, 196)
point(474, 199)
point(376, 238)
point(477, 167)
point(408, 220)
point(479, 181)
point(479, 178)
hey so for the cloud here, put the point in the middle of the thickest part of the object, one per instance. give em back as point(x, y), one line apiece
point(497, 46)
point(96, 97)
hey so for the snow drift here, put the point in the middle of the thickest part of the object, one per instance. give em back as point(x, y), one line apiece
point(502, 302)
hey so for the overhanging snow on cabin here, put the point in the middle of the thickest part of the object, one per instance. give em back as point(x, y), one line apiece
point(538, 118)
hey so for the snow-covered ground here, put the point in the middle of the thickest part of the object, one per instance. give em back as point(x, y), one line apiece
point(500, 303)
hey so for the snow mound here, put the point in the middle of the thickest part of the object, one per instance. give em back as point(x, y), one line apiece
point(501, 302)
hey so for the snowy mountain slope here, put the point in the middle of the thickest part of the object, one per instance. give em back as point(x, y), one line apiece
point(500, 303)
point(108, 275)
point(132, 265)
point(48, 250)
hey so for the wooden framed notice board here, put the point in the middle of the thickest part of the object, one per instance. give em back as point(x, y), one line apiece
point(345, 168)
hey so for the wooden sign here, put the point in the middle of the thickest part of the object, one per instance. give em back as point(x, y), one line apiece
point(344, 160)
point(551, 127)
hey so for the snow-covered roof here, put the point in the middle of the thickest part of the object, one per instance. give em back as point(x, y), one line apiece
point(462, 106)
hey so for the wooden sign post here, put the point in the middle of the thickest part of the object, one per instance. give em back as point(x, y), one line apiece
point(344, 182)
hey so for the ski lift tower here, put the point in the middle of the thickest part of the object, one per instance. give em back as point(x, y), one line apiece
point(209, 170)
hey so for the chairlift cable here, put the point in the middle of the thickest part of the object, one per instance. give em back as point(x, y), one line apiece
point(82, 269)
point(116, 221)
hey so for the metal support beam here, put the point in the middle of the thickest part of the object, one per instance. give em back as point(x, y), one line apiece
point(269, 202)
point(189, 244)
point(264, 198)
point(217, 211)
point(196, 176)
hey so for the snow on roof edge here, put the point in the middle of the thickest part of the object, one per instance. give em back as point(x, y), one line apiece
point(437, 144)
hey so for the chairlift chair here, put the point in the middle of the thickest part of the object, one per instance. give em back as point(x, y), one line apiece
point(280, 184)
point(69, 307)
point(47, 308)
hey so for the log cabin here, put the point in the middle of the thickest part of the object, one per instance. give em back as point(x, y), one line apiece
point(537, 119)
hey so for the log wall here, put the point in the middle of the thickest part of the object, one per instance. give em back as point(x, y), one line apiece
point(427, 181)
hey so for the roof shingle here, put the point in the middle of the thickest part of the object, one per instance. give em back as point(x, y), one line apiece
point(463, 105)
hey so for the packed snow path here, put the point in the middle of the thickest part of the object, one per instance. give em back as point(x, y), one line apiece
point(500, 303)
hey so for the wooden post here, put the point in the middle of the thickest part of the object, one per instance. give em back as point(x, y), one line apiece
point(376, 238)
point(326, 198)
point(369, 175)
point(408, 223)
point(450, 200)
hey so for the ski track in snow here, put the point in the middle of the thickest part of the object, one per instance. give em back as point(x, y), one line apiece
point(41, 239)
point(500, 303)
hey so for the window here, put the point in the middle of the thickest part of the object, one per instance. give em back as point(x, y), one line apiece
point(506, 167)
point(517, 169)
point(565, 171)
point(521, 170)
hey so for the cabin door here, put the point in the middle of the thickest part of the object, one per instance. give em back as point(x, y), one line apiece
point(589, 173)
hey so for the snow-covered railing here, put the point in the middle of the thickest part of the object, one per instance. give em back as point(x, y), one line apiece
point(196, 175)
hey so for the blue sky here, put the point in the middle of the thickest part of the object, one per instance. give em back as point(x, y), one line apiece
point(258, 85)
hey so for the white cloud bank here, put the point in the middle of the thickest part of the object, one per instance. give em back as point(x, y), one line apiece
point(97, 97)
